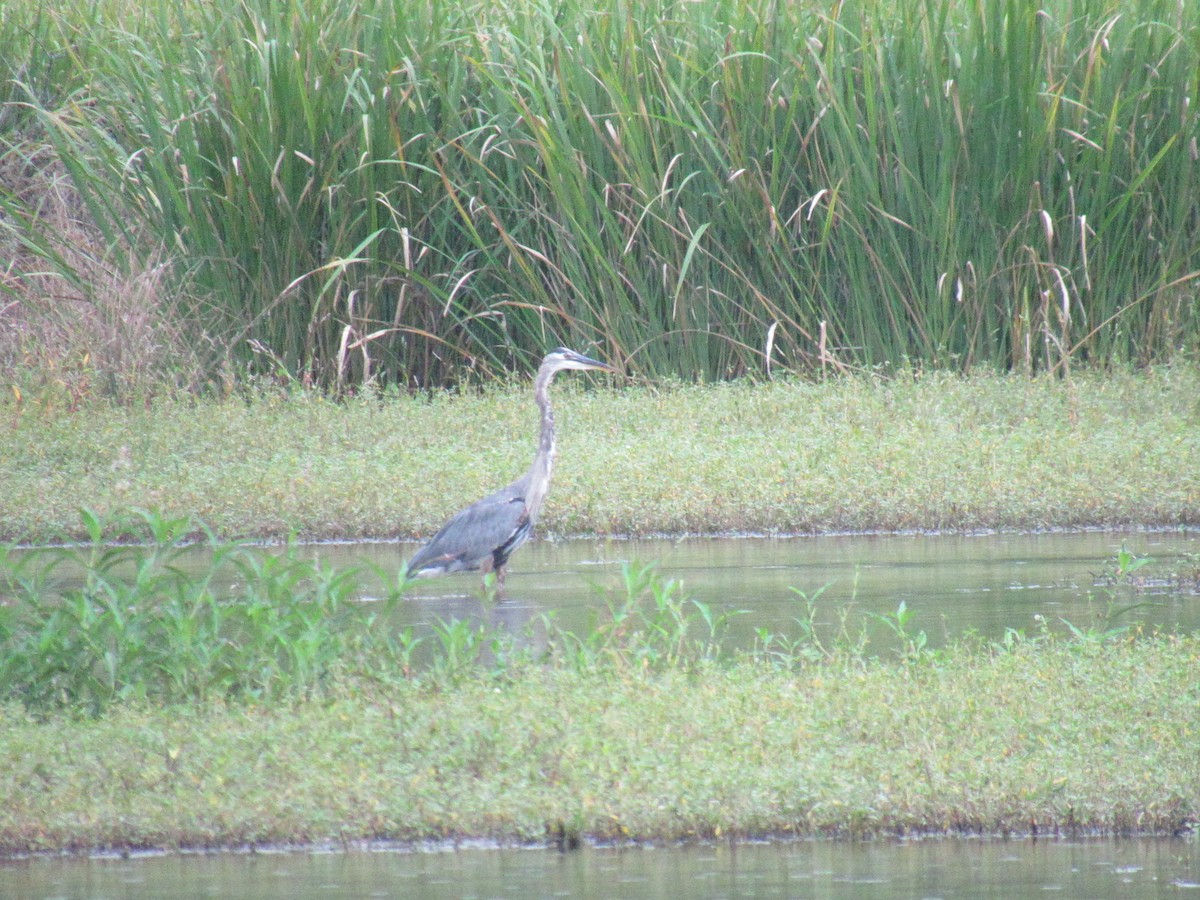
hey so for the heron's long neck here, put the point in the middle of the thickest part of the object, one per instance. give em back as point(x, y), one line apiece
point(543, 462)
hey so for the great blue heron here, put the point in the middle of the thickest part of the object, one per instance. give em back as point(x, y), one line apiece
point(485, 534)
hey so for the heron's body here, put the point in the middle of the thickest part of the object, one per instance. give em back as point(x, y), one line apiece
point(484, 535)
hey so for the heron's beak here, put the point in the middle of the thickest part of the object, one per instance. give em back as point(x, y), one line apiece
point(589, 363)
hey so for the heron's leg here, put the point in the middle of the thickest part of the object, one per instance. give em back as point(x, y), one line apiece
point(496, 588)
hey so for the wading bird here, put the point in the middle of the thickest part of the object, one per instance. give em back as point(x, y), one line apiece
point(485, 534)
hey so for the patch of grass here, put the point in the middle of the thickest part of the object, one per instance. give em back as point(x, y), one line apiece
point(648, 623)
point(927, 451)
point(83, 628)
point(1049, 736)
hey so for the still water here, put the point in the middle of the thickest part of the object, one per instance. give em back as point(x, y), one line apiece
point(919, 869)
point(951, 584)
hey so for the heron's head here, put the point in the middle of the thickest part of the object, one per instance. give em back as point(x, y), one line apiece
point(561, 359)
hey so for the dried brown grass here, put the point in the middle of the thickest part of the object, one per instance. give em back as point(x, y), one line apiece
point(80, 318)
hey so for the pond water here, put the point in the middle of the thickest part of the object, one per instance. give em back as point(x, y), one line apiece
point(926, 868)
point(951, 584)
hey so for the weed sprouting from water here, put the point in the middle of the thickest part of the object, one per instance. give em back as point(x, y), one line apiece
point(128, 615)
point(85, 626)
point(461, 645)
point(648, 621)
point(806, 644)
point(910, 644)
point(1122, 569)
point(137, 617)
point(809, 640)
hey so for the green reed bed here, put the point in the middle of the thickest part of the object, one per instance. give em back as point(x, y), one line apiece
point(347, 191)
point(642, 727)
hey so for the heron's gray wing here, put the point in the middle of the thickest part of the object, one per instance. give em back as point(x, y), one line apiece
point(497, 523)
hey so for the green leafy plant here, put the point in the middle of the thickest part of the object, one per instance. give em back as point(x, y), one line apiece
point(136, 613)
point(911, 644)
point(649, 621)
point(86, 626)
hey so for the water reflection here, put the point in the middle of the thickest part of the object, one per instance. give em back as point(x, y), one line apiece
point(928, 868)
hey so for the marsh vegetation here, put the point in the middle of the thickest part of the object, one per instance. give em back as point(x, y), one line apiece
point(351, 191)
point(954, 244)
point(141, 707)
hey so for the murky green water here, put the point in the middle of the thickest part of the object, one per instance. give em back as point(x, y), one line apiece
point(952, 583)
point(930, 868)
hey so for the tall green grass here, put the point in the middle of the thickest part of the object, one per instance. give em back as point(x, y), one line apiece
point(367, 190)
point(39, 70)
